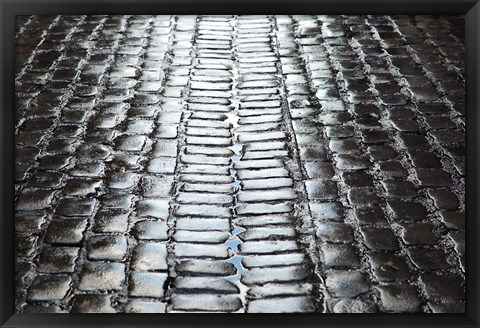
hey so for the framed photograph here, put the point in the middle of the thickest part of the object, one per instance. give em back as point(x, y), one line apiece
point(250, 163)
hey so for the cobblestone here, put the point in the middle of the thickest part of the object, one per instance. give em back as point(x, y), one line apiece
point(102, 276)
point(49, 288)
point(304, 163)
point(85, 303)
point(399, 298)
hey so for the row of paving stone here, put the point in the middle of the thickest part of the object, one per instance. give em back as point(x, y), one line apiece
point(233, 151)
point(225, 164)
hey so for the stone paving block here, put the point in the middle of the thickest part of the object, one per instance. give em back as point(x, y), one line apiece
point(444, 199)
point(203, 211)
point(399, 189)
point(375, 137)
point(428, 259)
point(202, 198)
point(399, 298)
point(205, 178)
point(166, 131)
point(319, 170)
point(370, 215)
point(121, 180)
point(379, 239)
point(362, 196)
point(262, 146)
point(339, 255)
point(321, 211)
point(271, 183)
point(49, 288)
point(443, 287)
point(111, 220)
point(357, 179)
point(447, 307)
point(265, 220)
point(130, 142)
point(29, 221)
point(65, 231)
point(58, 259)
point(43, 308)
point(25, 245)
point(44, 179)
point(414, 142)
point(87, 170)
point(418, 233)
point(102, 276)
point(161, 166)
point(204, 187)
point(140, 306)
point(156, 208)
point(424, 159)
point(387, 266)
point(213, 237)
point(282, 305)
point(34, 199)
point(260, 276)
point(263, 208)
point(334, 232)
point(250, 164)
point(349, 162)
point(433, 177)
point(75, 207)
point(392, 169)
point(207, 285)
point(199, 159)
point(346, 283)
point(445, 137)
point(312, 154)
point(262, 173)
point(92, 303)
point(110, 247)
point(407, 210)
point(205, 267)
point(147, 284)
point(259, 233)
point(82, 187)
point(208, 151)
point(206, 302)
point(260, 260)
point(193, 250)
point(381, 152)
point(157, 186)
point(339, 131)
point(268, 246)
point(149, 256)
point(344, 146)
point(91, 151)
point(321, 190)
point(200, 224)
point(273, 195)
point(354, 306)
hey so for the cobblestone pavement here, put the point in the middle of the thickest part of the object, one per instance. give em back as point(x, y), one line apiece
point(240, 164)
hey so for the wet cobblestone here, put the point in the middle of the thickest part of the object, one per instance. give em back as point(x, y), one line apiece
point(240, 164)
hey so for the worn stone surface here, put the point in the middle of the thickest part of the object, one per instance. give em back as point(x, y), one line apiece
point(303, 163)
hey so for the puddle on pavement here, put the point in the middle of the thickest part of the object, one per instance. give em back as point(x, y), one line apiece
point(238, 230)
point(233, 244)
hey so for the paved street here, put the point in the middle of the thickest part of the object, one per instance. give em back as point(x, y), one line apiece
point(240, 164)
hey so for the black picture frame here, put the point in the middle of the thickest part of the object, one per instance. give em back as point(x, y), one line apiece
point(10, 8)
